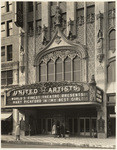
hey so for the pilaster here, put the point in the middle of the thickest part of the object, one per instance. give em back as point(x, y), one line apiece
point(100, 61)
point(15, 119)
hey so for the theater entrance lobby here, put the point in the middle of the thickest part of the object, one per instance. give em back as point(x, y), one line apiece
point(77, 120)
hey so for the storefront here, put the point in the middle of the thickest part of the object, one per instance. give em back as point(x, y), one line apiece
point(69, 103)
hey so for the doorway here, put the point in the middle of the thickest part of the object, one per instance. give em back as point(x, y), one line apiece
point(85, 126)
point(73, 126)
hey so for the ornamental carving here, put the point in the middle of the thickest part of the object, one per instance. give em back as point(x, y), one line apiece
point(61, 54)
point(58, 16)
point(91, 18)
point(111, 14)
point(44, 32)
point(100, 54)
point(80, 21)
point(22, 66)
point(111, 17)
point(101, 124)
point(58, 39)
point(70, 29)
point(92, 84)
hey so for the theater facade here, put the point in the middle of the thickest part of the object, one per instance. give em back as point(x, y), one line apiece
point(66, 69)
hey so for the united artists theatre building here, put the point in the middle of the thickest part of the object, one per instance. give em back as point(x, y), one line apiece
point(62, 68)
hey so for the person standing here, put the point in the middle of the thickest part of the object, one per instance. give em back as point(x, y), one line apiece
point(17, 132)
point(62, 130)
point(54, 131)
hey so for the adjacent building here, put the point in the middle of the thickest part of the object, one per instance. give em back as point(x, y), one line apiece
point(63, 67)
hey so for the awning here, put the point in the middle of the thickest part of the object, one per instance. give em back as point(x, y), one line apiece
point(5, 116)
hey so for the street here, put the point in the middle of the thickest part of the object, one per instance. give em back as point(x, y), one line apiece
point(18, 145)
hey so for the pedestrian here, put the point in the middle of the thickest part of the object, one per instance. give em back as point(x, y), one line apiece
point(58, 131)
point(54, 131)
point(62, 130)
point(17, 132)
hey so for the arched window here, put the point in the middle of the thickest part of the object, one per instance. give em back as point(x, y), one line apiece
point(112, 40)
point(59, 69)
point(67, 69)
point(111, 72)
point(42, 72)
point(50, 69)
point(76, 69)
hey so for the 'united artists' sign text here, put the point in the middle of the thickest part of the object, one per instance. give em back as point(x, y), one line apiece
point(46, 94)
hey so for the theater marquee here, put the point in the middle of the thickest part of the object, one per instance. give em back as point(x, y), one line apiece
point(48, 93)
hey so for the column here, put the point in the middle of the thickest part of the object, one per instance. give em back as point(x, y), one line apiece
point(71, 69)
point(22, 122)
point(15, 119)
point(63, 70)
point(100, 62)
point(34, 38)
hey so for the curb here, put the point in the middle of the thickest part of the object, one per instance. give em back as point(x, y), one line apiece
point(57, 144)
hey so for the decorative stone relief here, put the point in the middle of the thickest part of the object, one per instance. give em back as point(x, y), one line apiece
point(91, 18)
point(101, 125)
point(58, 39)
point(22, 66)
point(44, 32)
point(38, 30)
point(58, 16)
point(111, 17)
point(61, 54)
point(30, 32)
point(80, 21)
point(70, 29)
point(92, 84)
point(100, 54)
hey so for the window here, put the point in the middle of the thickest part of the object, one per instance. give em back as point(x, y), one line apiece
point(112, 40)
point(8, 6)
point(38, 5)
point(80, 16)
point(76, 69)
point(59, 69)
point(111, 72)
point(50, 70)
point(90, 14)
point(2, 7)
point(111, 5)
point(2, 53)
point(3, 29)
point(9, 28)
point(38, 26)
point(67, 67)
point(6, 77)
point(9, 53)
point(42, 72)
point(30, 26)
point(30, 6)
point(111, 99)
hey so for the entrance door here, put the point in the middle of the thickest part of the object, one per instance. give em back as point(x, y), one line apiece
point(49, 125)
point(113, 126)
point(93, 126)
point(73, 126)
point(85, 126)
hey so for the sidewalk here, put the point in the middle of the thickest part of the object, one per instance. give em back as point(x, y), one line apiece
point(108, 143)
